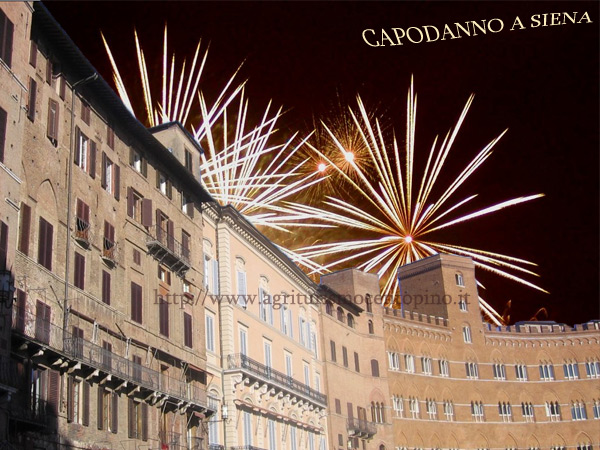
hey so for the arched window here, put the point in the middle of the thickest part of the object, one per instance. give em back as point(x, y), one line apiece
point(368, 302)
point(350, 320)
point(371, 328)
point(340, 314)
point(329, 308)
point(374, 367)
point(459, 279)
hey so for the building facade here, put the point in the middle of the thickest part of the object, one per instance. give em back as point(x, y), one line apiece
point(136, 313)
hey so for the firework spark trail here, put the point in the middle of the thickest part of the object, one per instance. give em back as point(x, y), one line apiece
point(402, 212)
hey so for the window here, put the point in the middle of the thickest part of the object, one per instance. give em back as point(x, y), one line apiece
point(356, 362)
point(505, 411)
point(137, 257)
point(31, 98)
point(185, 245)
point(467, 334)
point(210, 332)
point(85, 112)
point(462, 305)
point(187, 330)
point(431, 407)
point(377, 412)
point(302, 324)
point(521, 372)
point(25, 228)
point(85, 153)
point(138, 420)
point(393, 360)
point(33, 50)
point(499, 371)
point(413, 407)
point(187, 205)
point(6, 39)
point(243, 341)
point(211, 274)
point(345, 356)
point(409, 363)
point(368, 303)
point(444, 368)
point(350, 319)
point(578, 411)
point(285, 319)
point(338, 406)
point(3, 119)
point(45, 244)
point(571, 371)
point(82, 222)
point(139, 208)
point(106, 287)
point(306, 375)
point(78, 401)
point(136, 302)
point(371, 328)
point(241, 282)
point(553, 411)
point(592, 369)
point(374, 367)
point(333, 355)
point(340, 314)
point(596, 409)
point(268, 360)
point(459, 279)
point(163, 316)
point(472, 370)
point(527, 410)
point(449, 410)
point(288, 364)
point(426, 365)
point(79, 271)
point(111, 174)
point(329, 308)
point(138, 162)
point(398, 405)
point(477, 411)
point(265, 307)
point(52, 130)
point(164, 185)
point(546, 372)
point(3, 246)
point(108, 410)
point(108, 243)
point(110, 137)
point(189, 163)
point(43, 315)
point(247, 425)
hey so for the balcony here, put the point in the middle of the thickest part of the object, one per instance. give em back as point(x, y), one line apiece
point(216, 447)
point(168, 250)
point(275, 378)
point(32, 413)
point(82, 232)
point(109, 252)
point(49, 341)
point(361, 428)
point(245, 447)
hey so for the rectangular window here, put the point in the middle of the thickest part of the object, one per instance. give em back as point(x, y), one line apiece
point(444, 368)
point(338, 406)
point(3, 121)
point(49, 71)
point(164, 184)
point(138, 420)
point(137, 257)
point(31, 98)
point(52, 131)
point(43, 314)
point(210, 333)
point(243, 341)
point(85, 153)
point(268, 360)
point(521, 372)
point(187, 330)
point(345, 356)
point(185, 244)
point(6, 39)
point(189, 164)
point(333, 354)
point(85, 112)
point(46, 231)
point(409, 363)
point(25, 228)
point(356, 362)
point(111, 174)
point(79, 271)
point(306, 375)
point(187, 205)
point(288, 364)
point(3, 245)
point(136, 302)
point(163, 316)
point(571, 371)
point(110, 137)
point(33, 50)
point(467, 334)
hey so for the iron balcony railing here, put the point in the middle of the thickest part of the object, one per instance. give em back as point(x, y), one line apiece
point(169, 250)
point(246, 447)
point(36, 410)
point(82, 230)
point(216, 447)
point(42, 331)
point(362, 427)
point(250, 366)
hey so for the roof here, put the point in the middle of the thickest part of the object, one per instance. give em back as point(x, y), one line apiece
point(107, 100)
point(167, 125)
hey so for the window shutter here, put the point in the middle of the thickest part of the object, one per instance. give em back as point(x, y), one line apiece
point(169, 189)
point(170, 235)
point(129, 201)
point(131, 156)
point(70, 409)
point(157, 179)
point(147, 212)
point(33, 54)
point(85, 419)
point(25, 228)
point(52, 127)
point(374, 368)
point(114, 426)
point(144, 167)
point(100, 408)
point(190, 208)
point(92, 159)
point(3, 117)
point(77, 145)
point(106, 287)
point(103, 168)
point(117, 181)
point(3, 245)
point(62, 87)
point(49, 71)
point(21, 306)
point(350, 411)
point(110, 137)
point(215, 274)
point(131, 432)
point(8, 46)
point(53, 391)
point(144, 421)
point(32, 99)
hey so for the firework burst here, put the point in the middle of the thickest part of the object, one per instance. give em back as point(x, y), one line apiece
point(403, 214)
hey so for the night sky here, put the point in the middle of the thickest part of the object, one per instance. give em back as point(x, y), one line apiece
point(541, 83)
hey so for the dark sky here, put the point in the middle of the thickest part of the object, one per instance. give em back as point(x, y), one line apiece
point(541, 83)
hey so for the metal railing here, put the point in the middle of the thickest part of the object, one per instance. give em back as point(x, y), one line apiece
point(158, 237)
point(82, 230)
point(243, 362)
point(216, 447)
point(362, 426)
point(42, 331)
point(109, 250)
point(246, 447)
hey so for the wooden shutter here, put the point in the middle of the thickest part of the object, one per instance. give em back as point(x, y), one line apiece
point(169, 189)
point(77, 145)
point(374, 368)
point(187, 330)
point(130, 201)
point(92, 159)
point(144, 421)
point(100, 408)
point(33, 49)
point(144, 166)
point(3, 117)
point(163, 316)
point(147, 212)
point(85, 418)
point(117, 181)
point(53, 391)
point(70, 392)
point(131, 432)
point(62, 87)
point(110, 137)
point(103, 169)
point(350, 411)
point(52, 131)
point(133, 301)
point(3, 245)
point(190, 208)
point(25, 228)
point(170, 235)
point(32, 99)
point(79, 272)
point(106, 287)
point(114, 425)
point(49, 71)
point(157, 180)
point(21, 310)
